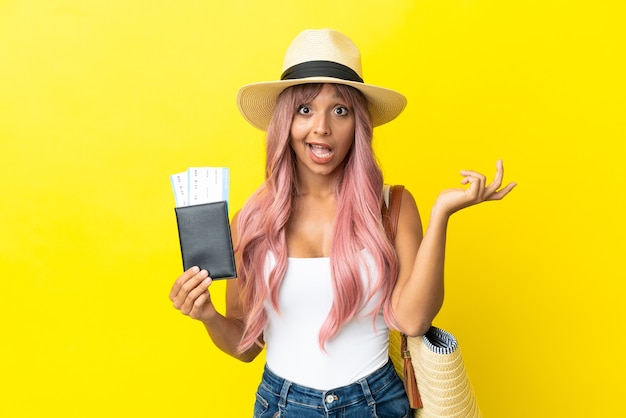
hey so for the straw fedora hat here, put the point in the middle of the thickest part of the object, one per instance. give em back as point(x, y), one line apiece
point(318, 56)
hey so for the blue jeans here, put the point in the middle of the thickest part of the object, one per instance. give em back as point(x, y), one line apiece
point(379, 395)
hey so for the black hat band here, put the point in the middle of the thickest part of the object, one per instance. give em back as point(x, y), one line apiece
point(321, 69)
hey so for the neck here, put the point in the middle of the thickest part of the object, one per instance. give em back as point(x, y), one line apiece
point(315, 185)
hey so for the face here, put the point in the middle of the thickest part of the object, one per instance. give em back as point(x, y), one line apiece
point(322, 133)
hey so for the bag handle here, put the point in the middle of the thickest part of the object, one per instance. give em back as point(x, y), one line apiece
point(391, 213)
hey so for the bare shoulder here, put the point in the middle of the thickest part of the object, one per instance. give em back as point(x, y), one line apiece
point(409, 219)
point(408, 237)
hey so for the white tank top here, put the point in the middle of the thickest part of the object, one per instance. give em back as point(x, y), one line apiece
point(292, 347)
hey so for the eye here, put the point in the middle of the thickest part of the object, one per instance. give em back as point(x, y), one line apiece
point(304, 110)
point(341, 110)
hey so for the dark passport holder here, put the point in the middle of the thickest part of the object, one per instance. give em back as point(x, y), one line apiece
point(205, 239)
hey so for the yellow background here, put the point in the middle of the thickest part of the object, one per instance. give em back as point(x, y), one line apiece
point(100, 101)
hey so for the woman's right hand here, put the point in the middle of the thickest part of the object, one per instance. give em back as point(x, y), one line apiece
point(190, 294)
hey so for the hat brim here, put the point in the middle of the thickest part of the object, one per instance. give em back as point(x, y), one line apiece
point(257, 101)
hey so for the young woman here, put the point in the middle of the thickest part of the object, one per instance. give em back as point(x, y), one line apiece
point(319, 283)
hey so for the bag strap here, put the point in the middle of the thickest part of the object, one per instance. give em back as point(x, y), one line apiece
point(391, 212)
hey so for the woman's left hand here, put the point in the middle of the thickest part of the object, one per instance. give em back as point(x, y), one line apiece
point(453, 200)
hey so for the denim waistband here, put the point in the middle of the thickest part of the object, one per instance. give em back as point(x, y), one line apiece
point(331, 399)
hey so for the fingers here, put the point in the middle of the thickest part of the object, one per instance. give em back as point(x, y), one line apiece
point(196, 299)
point(197, 307)
point(493, 192)
point(182, 279)
point(477, 183)
point(188, 288)
point(497, 180)
point(503, 192)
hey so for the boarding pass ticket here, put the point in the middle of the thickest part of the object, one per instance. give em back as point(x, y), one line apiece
point(200, 185)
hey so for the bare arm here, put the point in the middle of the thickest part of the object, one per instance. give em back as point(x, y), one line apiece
point(191, 295)
point(418, 295)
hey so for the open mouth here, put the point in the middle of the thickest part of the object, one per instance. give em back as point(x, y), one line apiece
point(320, 151)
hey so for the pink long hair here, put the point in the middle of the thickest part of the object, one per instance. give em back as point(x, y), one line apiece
point(358, 225)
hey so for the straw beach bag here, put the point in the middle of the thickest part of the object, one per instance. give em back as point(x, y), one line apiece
point(431, 365)
point(442, 382)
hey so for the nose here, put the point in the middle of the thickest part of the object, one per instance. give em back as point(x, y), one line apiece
point(321, 126)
